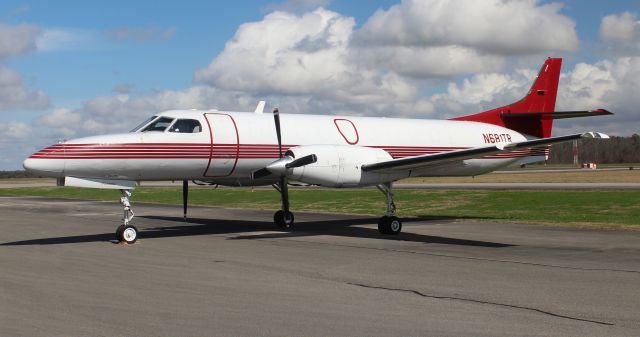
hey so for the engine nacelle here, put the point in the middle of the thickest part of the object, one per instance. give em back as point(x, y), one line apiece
point(340, 166)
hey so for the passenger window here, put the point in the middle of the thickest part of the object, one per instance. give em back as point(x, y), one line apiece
point(186, 126)
point(160, 124)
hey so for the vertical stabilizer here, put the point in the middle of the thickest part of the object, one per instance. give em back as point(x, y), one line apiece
point(540, 98)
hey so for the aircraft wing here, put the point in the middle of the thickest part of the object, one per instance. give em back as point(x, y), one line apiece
point(440, 159)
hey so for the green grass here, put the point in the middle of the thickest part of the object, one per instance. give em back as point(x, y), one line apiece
point(593, 208)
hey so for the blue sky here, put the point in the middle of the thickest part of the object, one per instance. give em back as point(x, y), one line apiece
point(80, 72)
point(87, 49)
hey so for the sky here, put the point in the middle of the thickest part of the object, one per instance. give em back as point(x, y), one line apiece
point(76, 68)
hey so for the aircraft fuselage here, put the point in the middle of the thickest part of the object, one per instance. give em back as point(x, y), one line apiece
point(229, 146)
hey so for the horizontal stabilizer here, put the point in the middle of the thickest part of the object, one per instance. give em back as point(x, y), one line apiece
point(556, 114)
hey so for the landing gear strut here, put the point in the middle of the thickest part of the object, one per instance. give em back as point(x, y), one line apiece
point(283, 218)
point(389, 224)
point(126, 232)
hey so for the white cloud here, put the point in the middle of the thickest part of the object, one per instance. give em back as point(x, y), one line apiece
point(61, 122)
point(141, 34)
point(16, 142)
point(609, 84)
point(13, 131)
point(301, 55)
point(492, 26)
point(318, 55)
point(622, 27)
point(120, 113)
point(67, 39)
point(621, 32)
point(17, 40)
point(14, 95)
point(482, 92)
point(420, 62)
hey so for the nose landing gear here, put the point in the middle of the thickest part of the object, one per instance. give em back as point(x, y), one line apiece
point(126, 232)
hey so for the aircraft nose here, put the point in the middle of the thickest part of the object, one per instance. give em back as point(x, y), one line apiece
point(45, 162)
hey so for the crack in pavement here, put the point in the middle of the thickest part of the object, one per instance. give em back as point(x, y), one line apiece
point(415, 292)
point(468, 257)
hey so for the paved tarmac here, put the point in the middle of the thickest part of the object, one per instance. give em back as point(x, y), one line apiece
point(230, 273)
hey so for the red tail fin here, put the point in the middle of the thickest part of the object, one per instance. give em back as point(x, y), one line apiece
point(541, 98)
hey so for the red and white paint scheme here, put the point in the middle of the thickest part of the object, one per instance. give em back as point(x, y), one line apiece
point(252, 148)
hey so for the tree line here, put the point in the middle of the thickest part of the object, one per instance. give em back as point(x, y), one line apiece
point(614, 150)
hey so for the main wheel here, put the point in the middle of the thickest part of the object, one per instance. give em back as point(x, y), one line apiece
point(283, 220)
point(119, 231)
point(129, 234)
point(389, 225)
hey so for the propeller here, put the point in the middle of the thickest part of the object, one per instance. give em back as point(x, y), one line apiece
point(280, 166)
point(185, 197)
point(284, 189)
point(286, 161)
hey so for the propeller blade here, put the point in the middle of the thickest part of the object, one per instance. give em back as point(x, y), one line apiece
point(281, 166)
point(261, 173)
point(306, 160)
point(185, 197)
point(276, 118)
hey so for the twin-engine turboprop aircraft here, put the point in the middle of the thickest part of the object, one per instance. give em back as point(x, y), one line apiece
point(252, 148)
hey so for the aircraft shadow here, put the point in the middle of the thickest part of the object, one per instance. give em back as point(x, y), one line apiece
point(199, 226)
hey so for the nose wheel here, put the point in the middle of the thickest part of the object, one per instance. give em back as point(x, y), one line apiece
point(128, 234)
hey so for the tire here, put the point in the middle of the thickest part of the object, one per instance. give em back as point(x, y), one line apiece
point(119, 231)
point(389, 225)
point(281, 221)
point(129, 234)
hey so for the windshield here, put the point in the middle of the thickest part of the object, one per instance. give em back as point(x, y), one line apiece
point(159, 124)
point(146, 121)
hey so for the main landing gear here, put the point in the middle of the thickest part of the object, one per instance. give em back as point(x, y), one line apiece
point(283, 218)
point(389, 224)
point(126, 232)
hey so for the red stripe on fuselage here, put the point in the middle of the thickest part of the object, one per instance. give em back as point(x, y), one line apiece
point(241, 151)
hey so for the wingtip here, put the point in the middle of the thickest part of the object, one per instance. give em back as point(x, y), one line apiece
point(597, 135)
point(602, 111)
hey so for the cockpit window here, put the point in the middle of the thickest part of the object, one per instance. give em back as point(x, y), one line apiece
point(159, 124)
point(186, 126)
point(144, 123)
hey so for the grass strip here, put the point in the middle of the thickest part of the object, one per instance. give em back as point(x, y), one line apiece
point(593, 208)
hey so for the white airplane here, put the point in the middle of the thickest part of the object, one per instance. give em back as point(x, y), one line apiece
point(247, 149)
